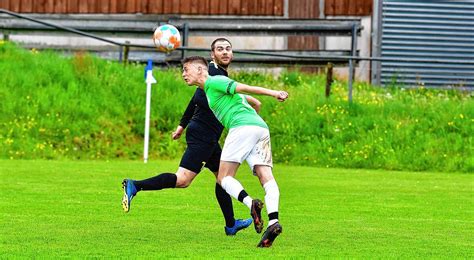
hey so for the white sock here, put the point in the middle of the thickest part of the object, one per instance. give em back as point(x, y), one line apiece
point(272, 198)
point(233, 187)
point(248, 202)
point(273, 221)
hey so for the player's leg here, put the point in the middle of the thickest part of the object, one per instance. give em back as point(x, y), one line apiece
point(260, 161)
point(232, 186)
point(223, 198)
point(232, 225)
point(132, 187)
point(190, 166)
point(272, 193)
point(238, 144)
point(272, 197)
point(181, 179)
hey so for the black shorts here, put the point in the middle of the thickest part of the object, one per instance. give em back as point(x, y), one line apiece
point(200, 153)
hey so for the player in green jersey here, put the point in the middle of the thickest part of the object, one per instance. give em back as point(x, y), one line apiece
point(248, 139)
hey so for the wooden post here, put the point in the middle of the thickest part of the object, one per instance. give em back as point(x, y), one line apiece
point(125, 52)
point(328, 78)
point(6, 35)
point(185, 39)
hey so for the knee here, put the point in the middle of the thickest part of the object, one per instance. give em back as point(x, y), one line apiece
point(219, 179)
point(183, 181)
point(222, 178)
point(264, 174)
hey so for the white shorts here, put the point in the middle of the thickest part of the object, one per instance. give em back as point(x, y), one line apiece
point(250, 143)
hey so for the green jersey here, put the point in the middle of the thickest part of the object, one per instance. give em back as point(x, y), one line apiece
point(229, 107)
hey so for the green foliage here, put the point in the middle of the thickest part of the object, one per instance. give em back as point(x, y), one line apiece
point(71, 209)
point(84, 107)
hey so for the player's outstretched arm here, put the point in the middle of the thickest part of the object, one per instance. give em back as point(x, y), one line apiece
point(278, 94)
point(255, 103)
point(188, 113)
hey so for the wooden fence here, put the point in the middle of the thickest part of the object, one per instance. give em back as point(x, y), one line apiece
point(201, 7)
point(348, 7)
point(296, 8)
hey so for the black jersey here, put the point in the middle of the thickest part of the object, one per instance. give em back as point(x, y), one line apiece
point(215, 69)
point(198, 117)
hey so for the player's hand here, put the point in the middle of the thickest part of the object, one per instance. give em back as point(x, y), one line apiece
point(257, 107)
point(281, 95)
point(177, 134)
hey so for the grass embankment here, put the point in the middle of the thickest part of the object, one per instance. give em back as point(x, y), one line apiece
point(86, 108)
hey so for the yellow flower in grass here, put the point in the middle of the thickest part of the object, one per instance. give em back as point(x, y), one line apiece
point(40, 146)
point(2, 42)
point(9, 141)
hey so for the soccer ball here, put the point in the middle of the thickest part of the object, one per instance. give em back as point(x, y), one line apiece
point(167, 38)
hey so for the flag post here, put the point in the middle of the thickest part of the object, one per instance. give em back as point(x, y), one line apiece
point(149, 80)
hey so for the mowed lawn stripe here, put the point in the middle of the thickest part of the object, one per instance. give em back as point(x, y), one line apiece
point(73, 208)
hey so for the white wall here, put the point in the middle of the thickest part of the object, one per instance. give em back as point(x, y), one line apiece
point(363, 45)
point(253, 42)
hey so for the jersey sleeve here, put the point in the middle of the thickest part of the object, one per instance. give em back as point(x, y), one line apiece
point(188, 113)
point(223, 84)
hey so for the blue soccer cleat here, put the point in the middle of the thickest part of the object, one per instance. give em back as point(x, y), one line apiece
point(129, 191)
point(239, 225)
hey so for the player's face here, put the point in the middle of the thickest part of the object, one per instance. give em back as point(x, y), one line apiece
point(222, 53)
point(191, 73)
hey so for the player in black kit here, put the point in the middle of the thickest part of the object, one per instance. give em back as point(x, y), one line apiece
point(203, 149)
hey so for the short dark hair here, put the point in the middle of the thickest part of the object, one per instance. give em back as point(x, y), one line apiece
point(213, 44)
point(195, 59)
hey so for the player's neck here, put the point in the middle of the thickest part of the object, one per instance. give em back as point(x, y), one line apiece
point(202, 80)
point(224, 67)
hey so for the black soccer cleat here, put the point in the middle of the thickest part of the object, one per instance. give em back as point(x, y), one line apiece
point(255, 212)
point(270, 234)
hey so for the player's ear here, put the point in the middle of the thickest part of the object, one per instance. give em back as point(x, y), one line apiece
point(212, 55)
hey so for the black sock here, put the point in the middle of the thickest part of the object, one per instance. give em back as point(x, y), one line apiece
point(225, 202)
point(242, 195)
point(162, 181)
point(273, 215)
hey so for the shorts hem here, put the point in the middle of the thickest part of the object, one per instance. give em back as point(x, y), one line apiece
point(191, 168)
point(231, 160)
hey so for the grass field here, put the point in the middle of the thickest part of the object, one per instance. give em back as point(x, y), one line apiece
point(72, 208)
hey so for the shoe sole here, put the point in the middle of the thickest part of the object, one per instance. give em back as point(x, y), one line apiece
point(257, 218)
point(125, 197)
point(268, 242)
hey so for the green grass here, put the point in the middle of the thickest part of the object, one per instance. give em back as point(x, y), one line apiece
point(72, 208)
point(82, 107)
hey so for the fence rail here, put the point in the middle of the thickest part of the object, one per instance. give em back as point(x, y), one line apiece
point(253, 56)
point(87, 25)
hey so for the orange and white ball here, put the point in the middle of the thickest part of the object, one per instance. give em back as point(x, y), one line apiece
point(167, 38)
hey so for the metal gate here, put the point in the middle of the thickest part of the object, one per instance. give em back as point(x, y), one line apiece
point(439, 32)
